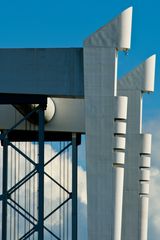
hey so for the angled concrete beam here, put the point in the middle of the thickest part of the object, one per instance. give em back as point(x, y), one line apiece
point(138, 151)
point(115, 34)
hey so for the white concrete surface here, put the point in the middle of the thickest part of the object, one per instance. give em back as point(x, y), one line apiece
point(138, 151)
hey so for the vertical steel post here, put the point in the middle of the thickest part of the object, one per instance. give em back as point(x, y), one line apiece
point(74, 186)
point(41, 175)
point(5, 186)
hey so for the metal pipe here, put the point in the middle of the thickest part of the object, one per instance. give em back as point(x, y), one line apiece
point(74, 186)
point(41, 175)
point(119, 178)
point(144, 204)
point(5, 184)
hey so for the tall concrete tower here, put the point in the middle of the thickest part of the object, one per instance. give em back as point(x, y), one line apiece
point(138, 151)
point(105, 116)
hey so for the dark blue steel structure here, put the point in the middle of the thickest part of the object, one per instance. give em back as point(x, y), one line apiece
point(7, 137)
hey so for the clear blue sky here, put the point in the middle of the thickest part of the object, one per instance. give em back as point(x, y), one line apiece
point(50, 23)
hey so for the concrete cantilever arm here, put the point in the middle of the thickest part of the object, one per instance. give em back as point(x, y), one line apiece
point(115, 34)
point(141, 78)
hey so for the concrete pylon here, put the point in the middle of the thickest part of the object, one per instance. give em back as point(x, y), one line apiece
point(138, 151)
point(105, 124)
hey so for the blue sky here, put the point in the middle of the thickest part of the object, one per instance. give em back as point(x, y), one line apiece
point(50, 23)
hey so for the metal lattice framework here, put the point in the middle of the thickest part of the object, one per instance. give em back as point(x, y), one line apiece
point(38, 224)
